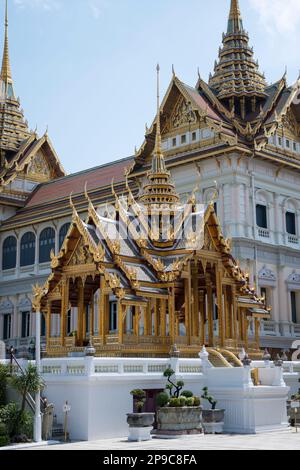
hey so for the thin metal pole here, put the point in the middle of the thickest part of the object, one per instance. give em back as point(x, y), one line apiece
point(38, 417)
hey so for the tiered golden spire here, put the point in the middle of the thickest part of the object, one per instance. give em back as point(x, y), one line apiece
point(237, 80)
point(159, 189)
point(6, 75)
point(13, 127)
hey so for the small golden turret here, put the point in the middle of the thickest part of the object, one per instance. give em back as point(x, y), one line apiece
point(159, 189)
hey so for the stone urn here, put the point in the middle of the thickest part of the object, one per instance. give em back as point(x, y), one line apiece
point(213, 421)
point(140, 426)
point(179, 421)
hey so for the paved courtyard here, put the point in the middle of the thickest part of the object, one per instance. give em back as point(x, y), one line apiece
point(287, 440)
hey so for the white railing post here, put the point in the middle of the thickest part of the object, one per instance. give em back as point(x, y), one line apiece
point(278, 377)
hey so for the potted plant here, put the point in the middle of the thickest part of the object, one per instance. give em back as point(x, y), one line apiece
point(179, 412)
point(213, 419)
point(140, 424)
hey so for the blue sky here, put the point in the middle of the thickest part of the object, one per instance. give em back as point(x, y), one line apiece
point(86, 68)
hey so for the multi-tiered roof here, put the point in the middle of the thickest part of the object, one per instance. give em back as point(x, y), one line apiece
point(237, 80)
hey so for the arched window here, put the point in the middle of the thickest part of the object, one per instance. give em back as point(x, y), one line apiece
point(47, 243)
point(27, 249)
point(9, 253)
point(62, 233)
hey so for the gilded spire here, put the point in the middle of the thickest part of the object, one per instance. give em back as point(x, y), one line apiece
point(235, 22)
point(6, 76)
point(237, 80)
point(159, 189)
point(158, 162)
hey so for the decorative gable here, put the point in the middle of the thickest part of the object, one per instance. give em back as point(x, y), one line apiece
point(182, 115)
point(39, 169)
point(81, 255)
point(290, 125)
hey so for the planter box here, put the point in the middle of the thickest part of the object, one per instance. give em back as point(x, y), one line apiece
point(213, 421)
point(179, 421)
point(140, 426)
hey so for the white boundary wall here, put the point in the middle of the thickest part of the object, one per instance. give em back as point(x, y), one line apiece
point(98, 391)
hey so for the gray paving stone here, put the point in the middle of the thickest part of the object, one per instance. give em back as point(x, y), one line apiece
point(288, 440)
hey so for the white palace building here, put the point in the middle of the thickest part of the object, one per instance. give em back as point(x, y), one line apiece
point(237, 131)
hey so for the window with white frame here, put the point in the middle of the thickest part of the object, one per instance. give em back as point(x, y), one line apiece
point(25, 324)
point(261, 216)
point(290, 222)
point(295, 306)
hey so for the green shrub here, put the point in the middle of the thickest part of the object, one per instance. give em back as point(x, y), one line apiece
point(175, 403)
point(17, 422)
point(190, 401)
point(162, 399)
point(197, 401)
point(182, 401)
point(187, 394)
point(4, 372)
point(209, 398)
point(138, 394)
point(173, 388)
point(4, 437)
point(140, 399)
point(9, 415)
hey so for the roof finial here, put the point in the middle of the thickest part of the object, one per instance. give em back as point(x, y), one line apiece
point(6, 70)
point(158, 132)
point(235, 22)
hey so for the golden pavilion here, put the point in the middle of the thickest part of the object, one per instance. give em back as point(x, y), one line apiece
point(148, 275)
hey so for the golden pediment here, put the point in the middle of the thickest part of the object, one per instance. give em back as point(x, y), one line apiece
point(81, 255)
point(181, 116)
point(38, 168)
point(289, 123)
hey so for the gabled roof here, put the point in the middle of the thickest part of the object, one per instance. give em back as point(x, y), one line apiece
point(26, 154)
point(139, 271)
point(202, 102)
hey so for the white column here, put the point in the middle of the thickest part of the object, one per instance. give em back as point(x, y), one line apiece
point(38, 417)
point(15, 321)
point(277, 219)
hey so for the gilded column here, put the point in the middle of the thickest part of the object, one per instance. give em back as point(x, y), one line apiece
point(171, 306)
point(80, 310)
point(137, 321)
point(102, 310)
point(210, 311)
point(202, 316)
point(235, 315)
point(187, 304)
point(48, 324)
point(219, 277)
point(64, 308)
point(120, 322)
point(92, 316)
point(156, 318)
point(163, 317)
point(195, 304)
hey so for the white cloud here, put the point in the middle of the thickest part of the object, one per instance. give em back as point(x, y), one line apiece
point(47, 5)
point(278, 16)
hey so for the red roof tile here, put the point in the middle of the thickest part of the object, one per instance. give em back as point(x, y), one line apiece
point(95, 179)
